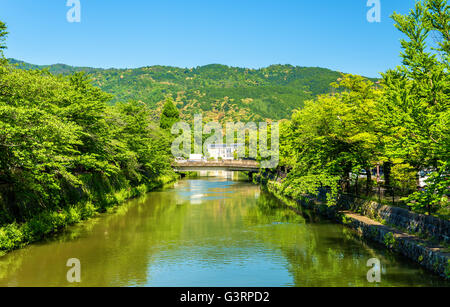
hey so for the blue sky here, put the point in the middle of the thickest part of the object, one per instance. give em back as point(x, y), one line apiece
point(247, 33)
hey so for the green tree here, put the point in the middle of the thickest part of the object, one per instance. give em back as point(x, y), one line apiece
point(170, 115)
point(3, 35)
point(62, 144)
point(149, 146)
point(435, 194)
point(287, 158)
point(333, 136)
point(415, 108)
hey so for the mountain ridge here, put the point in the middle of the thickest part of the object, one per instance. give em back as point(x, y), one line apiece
point(219, 92)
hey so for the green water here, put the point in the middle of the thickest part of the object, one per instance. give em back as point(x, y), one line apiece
point(208, 232)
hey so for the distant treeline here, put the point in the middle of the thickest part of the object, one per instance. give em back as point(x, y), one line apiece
point(220, 92)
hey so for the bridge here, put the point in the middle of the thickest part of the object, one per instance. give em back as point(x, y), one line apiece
point(231, 166)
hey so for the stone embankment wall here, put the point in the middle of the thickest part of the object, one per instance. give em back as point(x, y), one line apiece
point(419, 237)
point(421, 225)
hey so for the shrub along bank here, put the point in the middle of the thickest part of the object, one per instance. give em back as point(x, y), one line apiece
point(105, 197)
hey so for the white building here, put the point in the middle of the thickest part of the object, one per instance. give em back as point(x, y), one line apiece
point(196, 158)
point(223, 151)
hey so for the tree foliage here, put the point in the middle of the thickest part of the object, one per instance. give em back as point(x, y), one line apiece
point(402, 122)
point(61, 142)
point(335, 135)
point(3, 34)
point(170, 115)
point(415, 107)
point(416, 104)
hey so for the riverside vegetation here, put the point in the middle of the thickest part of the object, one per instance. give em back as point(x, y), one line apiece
point(67, 146)
point(400, 124)
point(66, 153)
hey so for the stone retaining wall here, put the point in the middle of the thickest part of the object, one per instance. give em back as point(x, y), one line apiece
point(428, 254)
point(410, 246)
point(418, 224)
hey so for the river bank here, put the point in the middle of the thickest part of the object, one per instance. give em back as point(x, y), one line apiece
point(421, 238)
point(48, 223)
point(209, 232)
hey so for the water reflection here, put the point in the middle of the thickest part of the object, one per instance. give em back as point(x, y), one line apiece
point(208, 232)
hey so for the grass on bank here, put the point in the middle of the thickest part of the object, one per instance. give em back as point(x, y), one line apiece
point(18, 235)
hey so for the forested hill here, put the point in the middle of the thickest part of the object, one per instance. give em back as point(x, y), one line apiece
point(219, 92)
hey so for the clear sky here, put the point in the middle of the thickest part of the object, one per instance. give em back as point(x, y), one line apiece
point(247, 33)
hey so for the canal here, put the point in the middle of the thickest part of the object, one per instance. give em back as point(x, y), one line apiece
point(208, 232)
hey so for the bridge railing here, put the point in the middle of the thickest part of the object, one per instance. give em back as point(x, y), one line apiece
point(224, 163)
